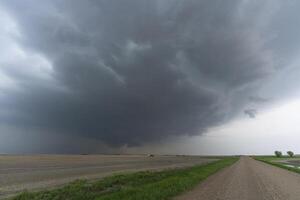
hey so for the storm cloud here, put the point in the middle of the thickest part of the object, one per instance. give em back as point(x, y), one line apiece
point(136, 71)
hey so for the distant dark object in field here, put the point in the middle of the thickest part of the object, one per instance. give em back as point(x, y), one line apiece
point(251, 112)
point(290, 153)
point(278, 153)
point(151, 155)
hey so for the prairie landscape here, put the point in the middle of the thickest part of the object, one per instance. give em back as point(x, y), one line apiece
point(32, 172)
point(149, 100)
point(160, 177)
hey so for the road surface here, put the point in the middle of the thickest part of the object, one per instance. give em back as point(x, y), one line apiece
point(248, 179)
point(43, 171)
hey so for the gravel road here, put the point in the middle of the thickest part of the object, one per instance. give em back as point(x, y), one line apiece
point(43, 171)
point(248, 179)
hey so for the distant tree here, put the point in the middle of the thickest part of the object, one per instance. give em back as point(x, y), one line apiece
point(290, 153)
point(278, 154)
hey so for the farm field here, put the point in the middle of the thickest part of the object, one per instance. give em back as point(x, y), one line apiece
point(34, 172)
point(146, 185)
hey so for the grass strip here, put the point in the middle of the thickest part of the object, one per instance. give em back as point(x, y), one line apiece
point(270, 160)
point(147, 185)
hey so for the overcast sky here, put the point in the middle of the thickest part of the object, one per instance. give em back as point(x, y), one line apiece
point(163, 76)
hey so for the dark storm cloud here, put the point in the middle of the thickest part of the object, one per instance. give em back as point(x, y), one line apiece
point(250, 112)
point(258, 99)
point(129, 72)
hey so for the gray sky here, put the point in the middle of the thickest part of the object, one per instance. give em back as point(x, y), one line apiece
point(194, 77)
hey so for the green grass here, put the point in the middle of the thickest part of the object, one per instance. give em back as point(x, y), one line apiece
point(272, 160)
point(147, 185)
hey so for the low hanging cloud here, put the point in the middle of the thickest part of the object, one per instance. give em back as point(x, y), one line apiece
point(130, 72)
point(250, 112)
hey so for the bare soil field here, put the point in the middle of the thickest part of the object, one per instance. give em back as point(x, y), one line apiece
point(248, 179)
point(34, 172)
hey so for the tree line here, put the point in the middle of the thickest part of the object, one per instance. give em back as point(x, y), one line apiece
point(279, 153)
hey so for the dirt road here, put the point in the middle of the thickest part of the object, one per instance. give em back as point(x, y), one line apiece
point(43, 171)
point(248, 179)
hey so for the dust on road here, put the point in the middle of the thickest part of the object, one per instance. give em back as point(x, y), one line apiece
point(43, 171)
point(248, 179)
